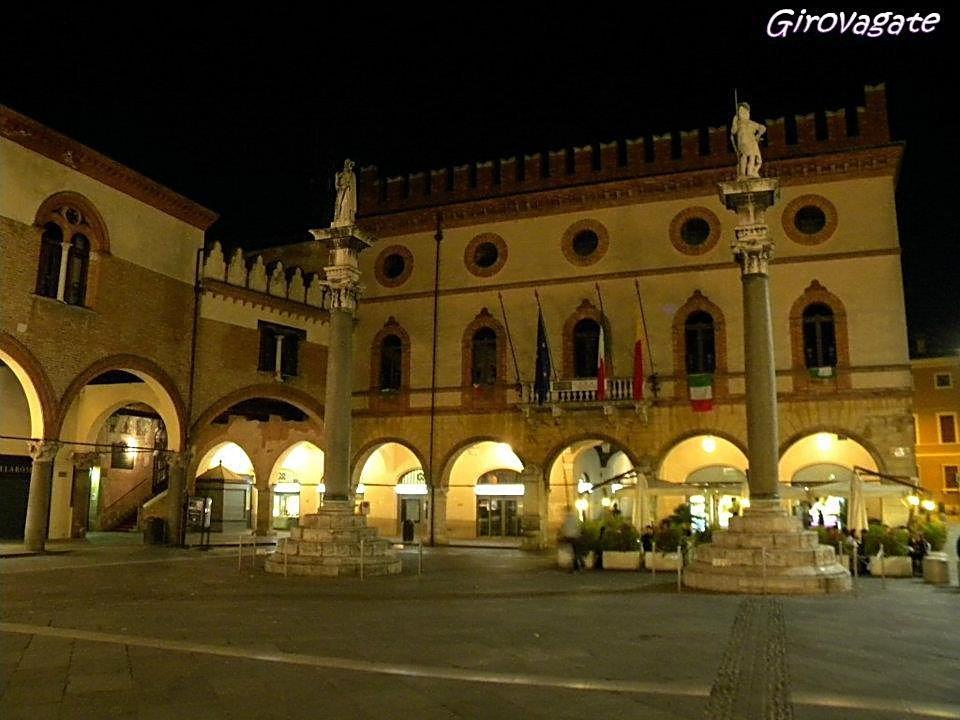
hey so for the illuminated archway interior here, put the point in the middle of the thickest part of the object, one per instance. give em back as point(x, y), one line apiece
point(20, 416)
point(594, 476)
point(296, 482)
point(392, 486)
point(485, 496)
point(716, 468)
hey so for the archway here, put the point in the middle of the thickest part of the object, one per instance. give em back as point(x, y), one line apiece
point(390, 480)
point(226, 474)
point(712, 472)
point(22, 417)
point(484, 493)
point(296, 485)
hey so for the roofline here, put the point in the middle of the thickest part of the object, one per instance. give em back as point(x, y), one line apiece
point(37, 137)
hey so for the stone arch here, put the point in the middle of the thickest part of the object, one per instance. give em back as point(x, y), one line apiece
point(401, 399)
point(802, 382)
point(665, 449)
point(172, 410)
point(483, 395)
point(450, 457)
point(99, 237)
point(699, 302)
point(556, 451)
point(363, 454)
point(870, 448)
point(41, 399)
point(586, 310)
point(298, 398)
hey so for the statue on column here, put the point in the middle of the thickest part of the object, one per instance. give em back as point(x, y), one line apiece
point(746, 134)
point(345, 208)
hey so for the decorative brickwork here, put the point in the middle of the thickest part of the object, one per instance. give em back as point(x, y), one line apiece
point(586, 310)
point(385, 400)
point(677, 229)
point(479, 395)
point(470, 255)
point(572, 232)
point(699, 302)
point(380, 267)
point(789, 219)
point(802, 382)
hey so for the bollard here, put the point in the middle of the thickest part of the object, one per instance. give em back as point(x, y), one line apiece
point(679, 570)
point(361, 558)
point(883, 573)
point(653, 565)
point(763, 569)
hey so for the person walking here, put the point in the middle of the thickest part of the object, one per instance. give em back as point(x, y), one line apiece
point(570, 534)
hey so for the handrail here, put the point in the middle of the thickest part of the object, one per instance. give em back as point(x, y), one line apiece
point(139, 485)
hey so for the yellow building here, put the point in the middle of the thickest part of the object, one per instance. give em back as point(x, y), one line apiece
point(133, 341)
point(936, 407)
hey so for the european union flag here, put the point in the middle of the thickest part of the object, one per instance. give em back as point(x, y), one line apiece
point(541, 382)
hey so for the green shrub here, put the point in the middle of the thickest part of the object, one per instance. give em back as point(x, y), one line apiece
point(893, 542)
point(829, 536)
point(936, 534)
point(668, 538)
point(620, 535)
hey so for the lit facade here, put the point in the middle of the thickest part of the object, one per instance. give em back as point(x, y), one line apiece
point(936, 408)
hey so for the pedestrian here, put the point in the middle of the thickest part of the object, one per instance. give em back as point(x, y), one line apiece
point(646, 539)
point(570, 534)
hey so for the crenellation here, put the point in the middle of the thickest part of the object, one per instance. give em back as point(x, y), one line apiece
point(807, 129)
point(484, 177)
point(557, 165)
point(583, 161)
point(690, 146)
point(417, 185)
point(277, 284)
point(636, 153)
point(531, 170)
point(875, 126)
point(508, 174)
point(776, 137)
point(461, 180)
point(663, 150)
point(836, 125)
point(214, 265)
point(609, 158)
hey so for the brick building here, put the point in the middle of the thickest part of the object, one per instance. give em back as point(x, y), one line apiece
point(127, 338)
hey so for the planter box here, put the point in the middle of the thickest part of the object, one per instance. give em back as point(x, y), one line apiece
point(621, 559)
point(893, 566)
point(662, 560)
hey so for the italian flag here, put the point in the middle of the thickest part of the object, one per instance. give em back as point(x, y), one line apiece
point(638, 365)
point(601, 370)
point(819, 373)
point(701, 392)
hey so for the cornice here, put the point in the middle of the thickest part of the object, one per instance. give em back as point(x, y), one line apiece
point(825, 167)
point(30, 134)
point(218, 288)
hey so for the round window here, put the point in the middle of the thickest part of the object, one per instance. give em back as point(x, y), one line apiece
point(585, 243)
point(810, 220)
point(485, 255)
point(695, 231)
point(393, 266)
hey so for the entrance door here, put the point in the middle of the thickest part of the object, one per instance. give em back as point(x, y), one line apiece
point(498, 517)
point(14, 491)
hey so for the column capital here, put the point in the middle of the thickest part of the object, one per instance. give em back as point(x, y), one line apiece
point(44, 450)
point(179, 460)
point(86, 460)
point(752, 248)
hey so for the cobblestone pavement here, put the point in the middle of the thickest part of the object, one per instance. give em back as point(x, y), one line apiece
point(143, 632)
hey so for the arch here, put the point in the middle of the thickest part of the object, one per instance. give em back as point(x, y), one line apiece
point(41, 399)
point(275, 391)
point(869, 448)
point(557, 450)
point(363, 454)
point(393, 399)
point(586, 310)
point(815, 293)
point(451, 456)
point(665, 449)
point(172, 409)
point(98, 235)
point(698, 302)
point(207, 459)
point(483, 395)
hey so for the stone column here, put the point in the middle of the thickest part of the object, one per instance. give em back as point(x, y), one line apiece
point(534, 517)
point(337, 409)
point(43, 453)
point(264, 510)
point(752, 248)
point(176, 495)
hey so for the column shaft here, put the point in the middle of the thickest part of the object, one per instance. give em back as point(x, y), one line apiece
point(38, 502)
point(338, 406)
point(176, 490)
point(761, 387)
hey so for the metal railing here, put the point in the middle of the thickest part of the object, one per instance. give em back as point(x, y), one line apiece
point(582, 390)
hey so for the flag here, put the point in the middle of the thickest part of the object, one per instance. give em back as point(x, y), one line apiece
point(701, 392)
point(601, 369)
point(821, 373)
point(541, 376)
point(638, 366)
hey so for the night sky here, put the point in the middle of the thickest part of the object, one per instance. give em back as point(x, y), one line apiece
point(250, 115)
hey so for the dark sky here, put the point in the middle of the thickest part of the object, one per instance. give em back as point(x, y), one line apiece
point(250, 115)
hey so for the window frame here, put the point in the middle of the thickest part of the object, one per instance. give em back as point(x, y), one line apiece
point(821, 350)
point(487, 361)
point(289, 359)
point(956, 475)
point(948, 375)
point(395, 368)
point(702, 365)
point(590, 352)
point(940, 416)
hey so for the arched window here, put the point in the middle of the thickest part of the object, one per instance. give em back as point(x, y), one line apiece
point(391, 368)
point(819, 336)
point(586, 344)
point(51, 252)
point(484, 357)
point(701, 356)
point(78, 259)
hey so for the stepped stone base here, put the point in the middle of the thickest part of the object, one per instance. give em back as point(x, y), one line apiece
point(328, 544)
point(766, 551)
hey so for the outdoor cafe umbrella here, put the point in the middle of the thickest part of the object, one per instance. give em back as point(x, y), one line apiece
point(857, 510)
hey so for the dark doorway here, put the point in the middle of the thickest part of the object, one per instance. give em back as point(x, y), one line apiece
point(14, 491)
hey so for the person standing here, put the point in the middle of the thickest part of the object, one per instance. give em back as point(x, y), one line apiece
point(570, 534)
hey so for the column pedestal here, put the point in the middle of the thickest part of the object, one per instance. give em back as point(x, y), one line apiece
point(331, 543)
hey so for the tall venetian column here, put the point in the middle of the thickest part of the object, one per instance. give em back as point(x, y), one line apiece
point(38, 501)
point(335, 541)
point(767, 549)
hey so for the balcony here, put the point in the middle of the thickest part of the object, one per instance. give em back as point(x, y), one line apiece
point(582, 390)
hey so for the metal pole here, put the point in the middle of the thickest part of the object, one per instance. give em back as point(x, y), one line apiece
point(361, 558)
point(653, 563)
point(679, 569)
point(285, 557)
point(239, 552)
point(883, 573)
point(763, 568)
point(420, 558)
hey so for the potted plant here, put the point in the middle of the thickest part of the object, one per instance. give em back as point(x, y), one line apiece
point(896, 561)
point(666, 553)
point(620, 545)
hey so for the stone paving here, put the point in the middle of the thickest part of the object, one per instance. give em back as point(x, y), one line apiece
point(126, 631)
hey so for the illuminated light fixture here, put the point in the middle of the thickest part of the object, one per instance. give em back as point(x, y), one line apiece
point(928, 505)
point(899, 452)
point(606, 502)
point(498, 489)
point(709, 444)
point(697, 499)
point(584, 487)
point(321, 487)
point(581, 504)
point(913, 500)
point(411, 488)
point(745, 502)
point(616, 487)
point(95, 475)
point(361, 488)
point(286, 487)
point(824, 442)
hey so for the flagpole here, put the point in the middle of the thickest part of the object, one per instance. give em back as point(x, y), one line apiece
point(553, 367)
point(601, 351)
point(513, 350)
point(643, 322)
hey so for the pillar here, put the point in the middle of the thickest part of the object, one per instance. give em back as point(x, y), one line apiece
point(338, 400)
point(534, 517)
point(264, 524)
point(176, 495)
point(43, 453)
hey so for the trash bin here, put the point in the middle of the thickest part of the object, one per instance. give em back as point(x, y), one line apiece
point(935, 568)
point(408, 530)
point(156, 532)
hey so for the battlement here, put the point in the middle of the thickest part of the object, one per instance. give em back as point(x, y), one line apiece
point(786, 137)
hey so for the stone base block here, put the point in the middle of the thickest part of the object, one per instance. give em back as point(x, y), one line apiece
point(766, 551)
point(330, 544)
